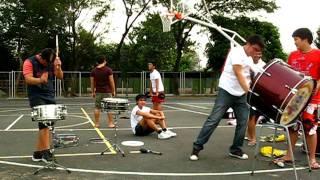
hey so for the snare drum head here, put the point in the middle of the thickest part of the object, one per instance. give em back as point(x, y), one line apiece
point(115, 100)
point(297, 103)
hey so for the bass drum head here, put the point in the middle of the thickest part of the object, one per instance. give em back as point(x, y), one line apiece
point(297, 103)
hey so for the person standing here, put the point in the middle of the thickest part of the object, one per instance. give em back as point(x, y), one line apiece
point(305, 60)
point(102, 86)
point(39, 72)
point(156, 87)
point(233, 88)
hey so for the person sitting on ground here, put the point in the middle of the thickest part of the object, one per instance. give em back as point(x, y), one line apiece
point(144, 120)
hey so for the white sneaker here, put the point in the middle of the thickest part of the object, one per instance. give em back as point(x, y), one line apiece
point(171, 134)
point(232, 122)
point(163, 135)
point(194, 157)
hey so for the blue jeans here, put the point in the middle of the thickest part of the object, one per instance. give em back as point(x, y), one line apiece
point(223, 102)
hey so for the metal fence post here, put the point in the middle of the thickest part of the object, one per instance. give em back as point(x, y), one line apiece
point(79, 83)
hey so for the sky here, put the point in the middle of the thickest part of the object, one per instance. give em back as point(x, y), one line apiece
point(292, 14)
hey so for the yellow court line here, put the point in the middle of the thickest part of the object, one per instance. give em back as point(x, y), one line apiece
point(107, 143)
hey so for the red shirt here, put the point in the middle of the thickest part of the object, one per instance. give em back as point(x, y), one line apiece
point(101, 79)
point(307, 63)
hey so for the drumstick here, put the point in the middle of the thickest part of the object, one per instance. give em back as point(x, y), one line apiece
point(107, 143)
point(57, 45)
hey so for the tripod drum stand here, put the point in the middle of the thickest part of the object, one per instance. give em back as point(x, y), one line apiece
point(48, 115)
point(115, 106)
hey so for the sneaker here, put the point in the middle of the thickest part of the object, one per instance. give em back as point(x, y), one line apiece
point(47, 156)
point(37, 156)
point(163, 135)
point(238, 154)
point(194, 155)
point(232, 122)
point(170, 133)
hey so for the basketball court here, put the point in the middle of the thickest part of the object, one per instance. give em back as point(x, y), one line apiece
point(185, 116)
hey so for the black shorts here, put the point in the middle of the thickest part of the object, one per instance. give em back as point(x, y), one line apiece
point(142, 131)
point(38, 102)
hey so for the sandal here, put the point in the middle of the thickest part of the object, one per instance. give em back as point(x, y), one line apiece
point(314, 165)
point(281, 162)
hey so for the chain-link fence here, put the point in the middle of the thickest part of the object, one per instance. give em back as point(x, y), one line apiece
point(77, 84)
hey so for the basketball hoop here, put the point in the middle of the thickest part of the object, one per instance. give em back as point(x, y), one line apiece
point(166, 19)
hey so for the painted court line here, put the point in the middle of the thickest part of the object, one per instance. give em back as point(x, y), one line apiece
point(56, 155)
point(155, 173)
point(106, 142)
point(186, 110)
point(14, 122)
point(111, 129)
point(200, 107)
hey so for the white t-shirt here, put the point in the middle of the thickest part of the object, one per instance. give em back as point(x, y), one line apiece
point(228, 80)
point(134, 118)
point(153, 76)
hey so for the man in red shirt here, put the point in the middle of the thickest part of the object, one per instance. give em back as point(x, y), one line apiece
point(306, 60)
point(102, 86)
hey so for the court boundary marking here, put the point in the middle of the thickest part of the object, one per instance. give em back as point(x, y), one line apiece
point(155, 173)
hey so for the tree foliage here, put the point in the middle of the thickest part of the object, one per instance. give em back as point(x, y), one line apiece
point(245, 27)
point(27, 26)
point(149, 43)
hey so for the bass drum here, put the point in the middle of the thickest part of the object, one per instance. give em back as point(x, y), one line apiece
point(280, 92)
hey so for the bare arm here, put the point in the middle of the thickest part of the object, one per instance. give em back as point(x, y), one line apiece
point(30, 80)
point(318, 85)
point(157, 87)
point(57, 68)
point(93, 91)
point(111, 80)
point(148, 115)
point(242, 80)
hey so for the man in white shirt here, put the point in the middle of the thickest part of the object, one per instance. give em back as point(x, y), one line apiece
point(144, 120)
point(156, 87)
point(234, 85)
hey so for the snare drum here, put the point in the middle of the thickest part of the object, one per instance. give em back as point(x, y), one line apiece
point(114, 104)
point(49, 112)
point(280, 92)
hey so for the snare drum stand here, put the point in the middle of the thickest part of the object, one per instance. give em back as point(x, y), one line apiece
point(52, 164)
point(115, 144)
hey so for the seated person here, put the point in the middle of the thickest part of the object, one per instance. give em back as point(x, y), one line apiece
point(144, 120)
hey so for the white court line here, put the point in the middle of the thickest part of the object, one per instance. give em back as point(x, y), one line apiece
point(187, 110)
point(57, 155)
point(111, 129)
point(14, 110)
point(200, 107)
point(14, 122)
point(155, 173)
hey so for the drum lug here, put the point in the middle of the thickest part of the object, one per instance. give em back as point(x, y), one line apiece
point(276, 108)
point(292, 90)
point(266, 73)
point(254, 93)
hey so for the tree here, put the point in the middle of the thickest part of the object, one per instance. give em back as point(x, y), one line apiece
point(245, 27)
point(134, 10)
point(150, 43)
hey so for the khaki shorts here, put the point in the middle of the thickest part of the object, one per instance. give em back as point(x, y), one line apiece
point(99, 97)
